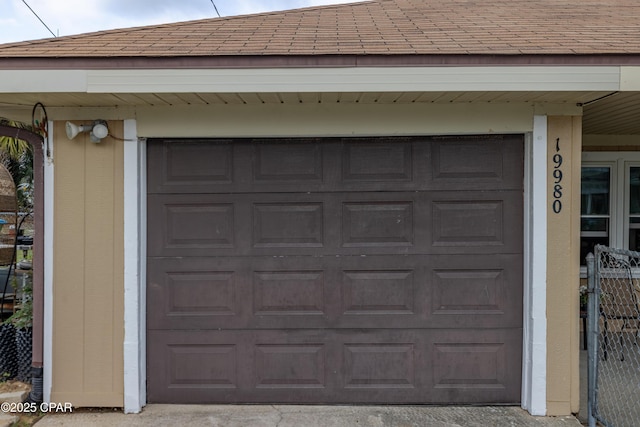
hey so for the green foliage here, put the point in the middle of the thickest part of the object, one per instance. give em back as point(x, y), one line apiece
point(17, 156)
point(13, 148)
point(23, 317)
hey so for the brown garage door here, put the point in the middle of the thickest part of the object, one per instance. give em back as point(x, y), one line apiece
point(379, 270)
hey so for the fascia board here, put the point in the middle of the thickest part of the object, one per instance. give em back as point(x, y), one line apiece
point(630, 78)
point(290, 80)
point(357, 80)
point(43, 81)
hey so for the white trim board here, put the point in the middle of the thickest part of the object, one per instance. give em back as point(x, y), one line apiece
point(47, 344)
point(630, 78)
point(289, 80)
point(385, 79)
point(534, 363)
point(134, 371)
point(142, 170)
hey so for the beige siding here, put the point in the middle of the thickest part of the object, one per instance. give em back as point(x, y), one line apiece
point(88, 328)
point(333, 120)
point(563, 271)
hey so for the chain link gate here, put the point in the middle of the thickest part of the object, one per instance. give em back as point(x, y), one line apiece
point(613, 329)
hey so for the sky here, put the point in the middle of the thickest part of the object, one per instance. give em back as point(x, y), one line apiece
point(68, 17)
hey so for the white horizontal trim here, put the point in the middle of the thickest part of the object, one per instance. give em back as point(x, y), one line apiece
point(356, 79)
point(630, 78)
point(32, 81)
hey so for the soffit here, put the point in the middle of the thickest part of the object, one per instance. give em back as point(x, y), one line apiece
point(616, 114)
point(604, 112)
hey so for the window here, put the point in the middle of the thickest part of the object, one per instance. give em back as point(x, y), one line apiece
point(634, 208)
point(595, 208)
point(610, 201)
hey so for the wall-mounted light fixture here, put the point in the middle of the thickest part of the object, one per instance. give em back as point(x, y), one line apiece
point(98, 130)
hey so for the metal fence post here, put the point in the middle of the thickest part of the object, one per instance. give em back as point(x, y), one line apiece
point(592, 335)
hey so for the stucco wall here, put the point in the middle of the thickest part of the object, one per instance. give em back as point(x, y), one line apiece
point(563, 237)
point(88, 270)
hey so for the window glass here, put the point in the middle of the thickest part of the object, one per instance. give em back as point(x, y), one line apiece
point(595, 208)
point(634, 208)
point(594, 224)
point(634, 234)
point(595, 190)
point(587, 245)
point(634, 191)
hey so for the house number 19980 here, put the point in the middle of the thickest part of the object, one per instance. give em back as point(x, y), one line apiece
point(557, 179)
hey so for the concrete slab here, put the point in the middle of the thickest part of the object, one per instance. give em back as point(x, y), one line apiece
point(14, 396)
point(7, 420)
point(309, 416)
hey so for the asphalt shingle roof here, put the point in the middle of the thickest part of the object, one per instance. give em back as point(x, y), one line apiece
point(379, 27)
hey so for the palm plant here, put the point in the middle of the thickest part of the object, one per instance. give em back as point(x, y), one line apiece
point(12, 147)
point(17, 156)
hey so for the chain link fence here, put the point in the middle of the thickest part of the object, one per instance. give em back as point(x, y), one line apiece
point(613, 330)
point(15, 353)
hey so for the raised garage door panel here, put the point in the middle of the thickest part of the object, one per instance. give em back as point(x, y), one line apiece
point(335, 270)
point(335, 366)
point(335, 292)
point(335, 223)
point(330, 165)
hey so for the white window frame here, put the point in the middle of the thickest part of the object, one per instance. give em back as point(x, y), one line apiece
point(620, 163)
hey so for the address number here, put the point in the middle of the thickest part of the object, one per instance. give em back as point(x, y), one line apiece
point(557, 179)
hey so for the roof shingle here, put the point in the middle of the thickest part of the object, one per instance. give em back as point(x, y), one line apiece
point(389, 27)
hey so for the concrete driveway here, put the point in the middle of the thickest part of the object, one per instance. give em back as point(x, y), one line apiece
point(309, 416)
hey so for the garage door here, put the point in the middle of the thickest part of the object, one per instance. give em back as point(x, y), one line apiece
point(379, 270)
